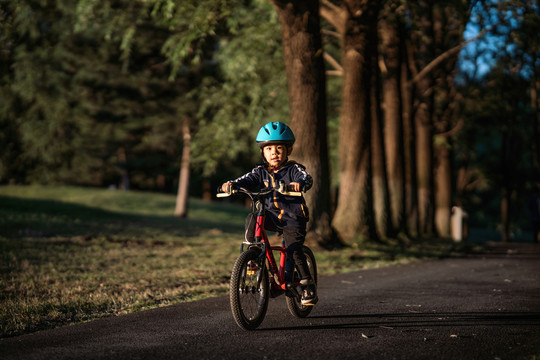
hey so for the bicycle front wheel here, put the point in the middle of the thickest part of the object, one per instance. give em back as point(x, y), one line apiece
point(294, 304)
point(249, 290)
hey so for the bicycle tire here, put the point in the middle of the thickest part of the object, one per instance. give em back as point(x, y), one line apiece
point(293, 303)
point(249, 301)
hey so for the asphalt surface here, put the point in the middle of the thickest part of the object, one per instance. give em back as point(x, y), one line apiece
point(483, 306)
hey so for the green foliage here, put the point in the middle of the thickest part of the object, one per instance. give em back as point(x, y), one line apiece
point(194, 23)
point(90, 105)
point(251, 90)
point(102, 88)
point(37, 87)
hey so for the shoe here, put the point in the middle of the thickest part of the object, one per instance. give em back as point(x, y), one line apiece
point(309, 295)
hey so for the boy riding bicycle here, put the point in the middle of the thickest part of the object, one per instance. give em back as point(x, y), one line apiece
point(285, 214)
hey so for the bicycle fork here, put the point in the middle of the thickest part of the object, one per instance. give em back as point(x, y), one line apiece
point(260, 236)
point(282, 276)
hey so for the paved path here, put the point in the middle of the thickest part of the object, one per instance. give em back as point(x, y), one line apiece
point(478, 307)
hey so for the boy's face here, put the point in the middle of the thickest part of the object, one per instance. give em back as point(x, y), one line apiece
point(275, 155)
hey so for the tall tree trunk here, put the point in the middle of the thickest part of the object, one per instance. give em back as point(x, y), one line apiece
point(393, 122)
point(436, 59)
point(423, 120)
point(442, 154)
point(443, 188)
point(183, 182)
point(381, 204)
point(354, 212)
point(424, 153)
point(442, 123)
point(445, 125)
point(448, 36)
point(352, 207)
point(409, 148)
point(302, 47)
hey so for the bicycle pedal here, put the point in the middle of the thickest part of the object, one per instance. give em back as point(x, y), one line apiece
point(311, 302)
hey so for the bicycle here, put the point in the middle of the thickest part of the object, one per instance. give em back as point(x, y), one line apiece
point(256, 276)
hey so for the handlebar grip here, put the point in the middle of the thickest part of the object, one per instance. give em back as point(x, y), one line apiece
point(291, 193)
point(230, 190)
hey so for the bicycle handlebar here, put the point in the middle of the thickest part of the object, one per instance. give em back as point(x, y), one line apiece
point(282, 189)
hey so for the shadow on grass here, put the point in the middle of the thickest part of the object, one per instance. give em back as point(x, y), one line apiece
point(47, 218)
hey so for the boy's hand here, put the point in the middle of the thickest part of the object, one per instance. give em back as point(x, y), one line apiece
point(294, 186)
point(225, 186)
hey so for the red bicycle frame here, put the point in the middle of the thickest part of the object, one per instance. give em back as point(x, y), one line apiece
point(278, 274)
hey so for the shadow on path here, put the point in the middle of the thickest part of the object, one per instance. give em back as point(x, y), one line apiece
point(420, 320)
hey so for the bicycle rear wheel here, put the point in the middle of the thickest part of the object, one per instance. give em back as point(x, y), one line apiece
point(249, 290)
point(294, 304)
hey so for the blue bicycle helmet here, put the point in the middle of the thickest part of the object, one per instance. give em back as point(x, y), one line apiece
point(275, 133)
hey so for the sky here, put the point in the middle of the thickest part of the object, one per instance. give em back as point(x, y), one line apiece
point(479, 56)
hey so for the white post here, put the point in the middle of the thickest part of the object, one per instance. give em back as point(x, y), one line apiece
point(456, 224)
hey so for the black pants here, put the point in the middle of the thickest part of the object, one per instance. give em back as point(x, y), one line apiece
point(293, 236)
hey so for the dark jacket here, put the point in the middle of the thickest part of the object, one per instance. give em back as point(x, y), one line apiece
point(288, 210)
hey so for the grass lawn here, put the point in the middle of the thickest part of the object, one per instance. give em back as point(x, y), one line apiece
point(71, 254)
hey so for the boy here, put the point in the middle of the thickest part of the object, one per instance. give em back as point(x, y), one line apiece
point(283, 213)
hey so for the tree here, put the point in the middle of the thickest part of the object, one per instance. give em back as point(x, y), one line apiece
point(183, 182)
point(391, 43)
point(302, 47)
point(422, 48)
point(353, 21)
point(449, 24)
